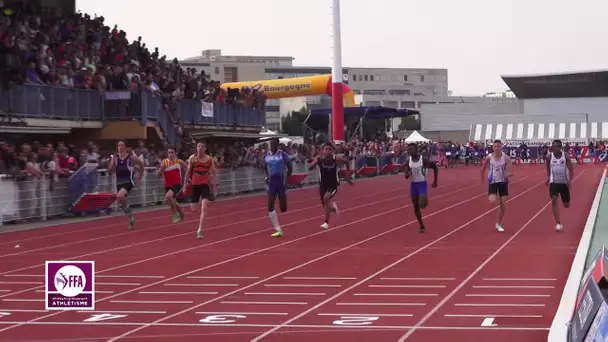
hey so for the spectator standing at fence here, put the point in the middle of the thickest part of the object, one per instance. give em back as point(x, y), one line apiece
point(171, 168)
point(122, 163)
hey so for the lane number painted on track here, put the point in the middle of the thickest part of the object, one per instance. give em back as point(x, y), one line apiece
point(103, 317)
point(355, 320)
point(488, 322)
point(2, 314)
point(221, 319)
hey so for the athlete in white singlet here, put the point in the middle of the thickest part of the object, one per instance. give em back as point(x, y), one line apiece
point(416, 169)
point(559, 176)
point(498, 179)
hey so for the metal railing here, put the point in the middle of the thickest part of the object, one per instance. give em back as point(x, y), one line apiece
point(45, 102)
point(27, 199)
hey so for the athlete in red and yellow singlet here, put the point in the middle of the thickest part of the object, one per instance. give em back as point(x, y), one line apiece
point(171, 168)
point(203, 177)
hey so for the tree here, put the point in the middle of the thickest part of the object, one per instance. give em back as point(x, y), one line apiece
point(410, 123)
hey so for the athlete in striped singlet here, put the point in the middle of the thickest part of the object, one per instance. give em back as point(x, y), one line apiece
point(202, 173)
point(122, 163)
point(559, 176)
point(416, 169)
point(171, 168)
point(498, 179)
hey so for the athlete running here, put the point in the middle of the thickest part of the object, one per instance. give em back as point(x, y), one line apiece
point(416, 168)
point(202, 173)
point(171, 168)
point(275, 164)
point(498, 179)
point(328, 179)
point(559, 176)
point(126, 177)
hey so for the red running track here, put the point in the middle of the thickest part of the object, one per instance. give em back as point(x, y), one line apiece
point(371, 276)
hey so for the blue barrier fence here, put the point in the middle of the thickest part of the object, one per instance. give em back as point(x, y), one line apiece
point(43, 102)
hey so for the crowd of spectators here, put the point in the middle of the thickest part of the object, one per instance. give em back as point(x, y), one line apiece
point(83, 52)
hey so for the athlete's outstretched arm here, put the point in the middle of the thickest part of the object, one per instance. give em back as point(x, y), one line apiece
point(140, 167)
point(112, 164)
point(189, 170)
point(548, 165)
point(341, 159)
point(214, 178)
point(570, 169)
point(314, 163)
point(288, 163)
point(509, 166)
point(161, 169)
point(484, 166)
point(431, 165)
point(407, 170)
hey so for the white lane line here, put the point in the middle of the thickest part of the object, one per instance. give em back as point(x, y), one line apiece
point(423, 279)
point(118, 284)
point(152, 301)
point(21, 282)
point(125, 312)
point(220, 277)
point(511, 287)
point(495, 316)
point(505, 295)
point(128, 276)
point(365, 315)
point(177, 293)
point(22, 310)
point(96, 291)
point(286, 293)
point(22, 300)
point(302, 285)
point(409, 286)
point(319, 278)
point(299, 326)
point(399, 294)
point(498, 304)
point(263, 303)
point(520, 279)
point(8, 291)
point(202, 285)
point(243, 313)
point(384, 304)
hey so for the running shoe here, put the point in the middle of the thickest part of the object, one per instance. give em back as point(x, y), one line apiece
point(499, 228)
point(199, 234)
point(131, 222)
point(176, 218)
point(277, 234)
point(325, 225)
point(559, 227)
point(422, 229)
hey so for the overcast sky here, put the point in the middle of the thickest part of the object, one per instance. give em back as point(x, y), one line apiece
point(476, 40)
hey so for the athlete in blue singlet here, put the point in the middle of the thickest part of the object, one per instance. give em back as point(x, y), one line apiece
point(126, 177)
point(276, 162)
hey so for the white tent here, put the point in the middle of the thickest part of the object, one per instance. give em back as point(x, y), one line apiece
point(416, 137)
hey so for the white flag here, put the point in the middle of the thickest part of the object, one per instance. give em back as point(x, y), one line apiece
point(207, 109)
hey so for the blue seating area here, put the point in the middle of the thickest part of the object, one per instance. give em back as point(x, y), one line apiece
point(44, 102)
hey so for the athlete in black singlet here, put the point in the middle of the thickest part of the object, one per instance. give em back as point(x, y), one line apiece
point(329, 180)
point(122, 163)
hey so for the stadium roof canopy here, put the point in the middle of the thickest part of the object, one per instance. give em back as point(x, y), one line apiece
point(565, 85)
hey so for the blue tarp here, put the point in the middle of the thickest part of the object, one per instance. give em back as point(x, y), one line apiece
point(374, 112)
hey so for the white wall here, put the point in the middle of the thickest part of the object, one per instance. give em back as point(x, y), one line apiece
point(596, 108)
